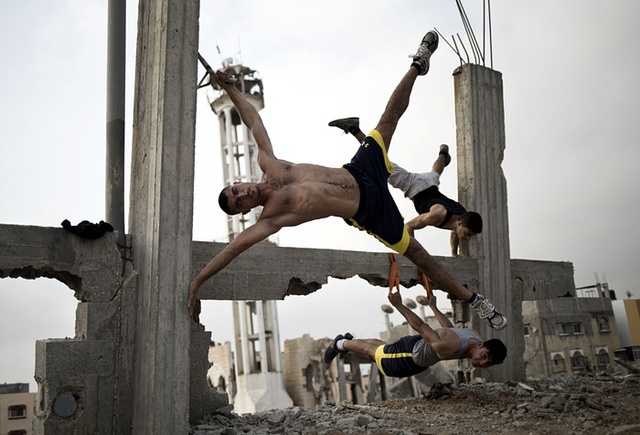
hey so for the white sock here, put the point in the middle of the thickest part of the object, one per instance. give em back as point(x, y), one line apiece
point(340, 345)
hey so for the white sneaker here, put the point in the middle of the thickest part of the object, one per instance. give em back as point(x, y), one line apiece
point(488, 312)
point(427, 47)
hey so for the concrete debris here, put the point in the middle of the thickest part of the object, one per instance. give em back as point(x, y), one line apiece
point(581, 404)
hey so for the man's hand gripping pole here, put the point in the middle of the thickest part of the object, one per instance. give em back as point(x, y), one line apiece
point(210, 76)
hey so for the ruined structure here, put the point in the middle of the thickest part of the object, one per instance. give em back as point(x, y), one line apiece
point(569, 335)
point(138, 363)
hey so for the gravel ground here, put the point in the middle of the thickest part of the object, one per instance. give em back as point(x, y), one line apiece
point(585, 404)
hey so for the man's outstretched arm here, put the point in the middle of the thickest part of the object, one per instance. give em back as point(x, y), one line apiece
point(455, 243)
point(433, 217)
point(246, 239)
point(425, 331)
point(440, 317)
point(250, 118)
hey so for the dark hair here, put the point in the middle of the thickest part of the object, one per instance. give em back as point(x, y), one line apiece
point(223, 202)
point(497, 350)
point(472, 220)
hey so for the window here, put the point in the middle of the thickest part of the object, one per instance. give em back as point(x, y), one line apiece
point(17, 432)
point(562, 329)
point(17, 411)
point(603, 358)
point(526, 331)
point(576, 328)
point(577, 361)
point(309, 374)
point(558, 363)
point(604, 324)
point(222, 385)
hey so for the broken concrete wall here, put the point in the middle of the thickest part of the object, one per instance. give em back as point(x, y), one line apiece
point(88, 371)
point(299, 271)
point(96, 367)
point(303, 375)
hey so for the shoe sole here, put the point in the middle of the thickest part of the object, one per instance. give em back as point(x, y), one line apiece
point(501, 325)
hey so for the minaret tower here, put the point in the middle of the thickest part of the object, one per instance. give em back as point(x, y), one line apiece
point(258, 362)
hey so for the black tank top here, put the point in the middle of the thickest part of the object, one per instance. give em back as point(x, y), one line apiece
point(424, 200)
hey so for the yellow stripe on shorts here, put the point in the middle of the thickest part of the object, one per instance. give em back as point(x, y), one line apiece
point(380, 354)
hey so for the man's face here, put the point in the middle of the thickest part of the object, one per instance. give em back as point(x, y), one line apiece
point(480, 357)
point(464, 233)
point(242, 197)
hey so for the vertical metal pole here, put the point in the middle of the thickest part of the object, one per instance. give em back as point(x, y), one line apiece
point(116, 46)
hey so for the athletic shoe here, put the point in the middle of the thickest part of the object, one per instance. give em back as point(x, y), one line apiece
point(427, 47)
point(444, 149)
point(332, 351)
point(488, 312)
point(348, 125)
point(347, 336)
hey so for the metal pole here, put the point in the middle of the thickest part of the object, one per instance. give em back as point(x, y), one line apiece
point(116, 41)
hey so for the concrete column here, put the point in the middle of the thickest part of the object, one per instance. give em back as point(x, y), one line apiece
point(161, 210)
point(482, 188)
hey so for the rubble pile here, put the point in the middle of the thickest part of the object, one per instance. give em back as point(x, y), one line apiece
point(580, 404)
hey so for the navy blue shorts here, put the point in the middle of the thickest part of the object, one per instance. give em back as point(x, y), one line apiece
point(395, 359)
point(377, 212)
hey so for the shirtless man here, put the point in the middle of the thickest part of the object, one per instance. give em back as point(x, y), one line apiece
point(413, 354)
point(434, 208)
point(292, 194)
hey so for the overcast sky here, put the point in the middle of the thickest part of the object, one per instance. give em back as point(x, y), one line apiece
point(571, 75)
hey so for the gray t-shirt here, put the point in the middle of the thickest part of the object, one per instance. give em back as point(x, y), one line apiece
point(425, 356)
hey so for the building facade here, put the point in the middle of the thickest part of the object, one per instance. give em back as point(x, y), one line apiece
point(17, 407)
point(570, 335)
point(627, 313)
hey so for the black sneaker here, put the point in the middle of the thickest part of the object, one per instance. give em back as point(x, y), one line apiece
point(427, 47)
point(348, 125)
point(332, 351)
point(444, 149)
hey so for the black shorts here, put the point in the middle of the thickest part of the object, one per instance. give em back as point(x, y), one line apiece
point(377, 212)
point(396, 359)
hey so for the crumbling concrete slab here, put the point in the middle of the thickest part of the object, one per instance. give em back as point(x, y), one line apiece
point(280, 271)
point(92, 268)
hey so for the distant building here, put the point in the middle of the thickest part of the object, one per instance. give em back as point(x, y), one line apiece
point(571, 334)
point(17, 407)
point(627, 313)
point(221, 375)
point(308, 380)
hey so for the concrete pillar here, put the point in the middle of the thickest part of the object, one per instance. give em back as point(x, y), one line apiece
point(161, 210)
point(482, 188)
